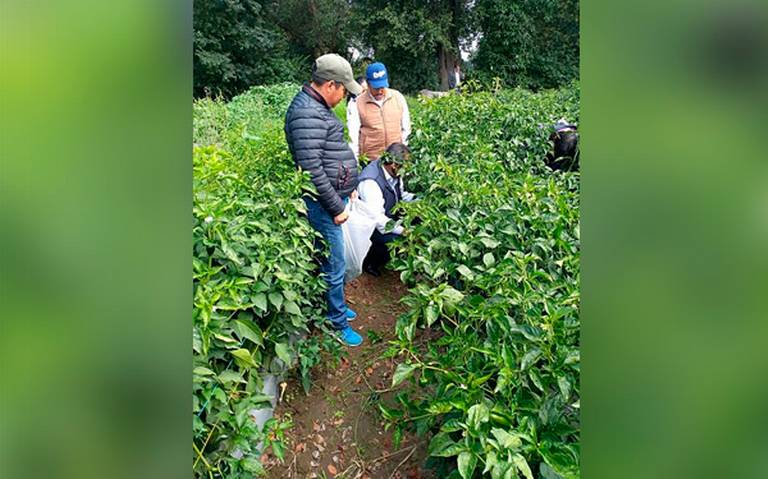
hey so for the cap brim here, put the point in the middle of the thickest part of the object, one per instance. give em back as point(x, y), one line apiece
point(353, 87)
point(383, 83)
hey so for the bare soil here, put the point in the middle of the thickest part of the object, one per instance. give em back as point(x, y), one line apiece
point(338, 429)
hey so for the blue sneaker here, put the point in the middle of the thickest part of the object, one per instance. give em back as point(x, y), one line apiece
point(349, 337)
point(351, 315)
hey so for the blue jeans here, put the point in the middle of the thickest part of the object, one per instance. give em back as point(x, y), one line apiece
point(333, 265)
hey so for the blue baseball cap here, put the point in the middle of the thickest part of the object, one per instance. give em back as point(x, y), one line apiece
point(376, 75)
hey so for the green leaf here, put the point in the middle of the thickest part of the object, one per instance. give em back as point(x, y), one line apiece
point(451, 425)
point(490, 461)
point(490, 242)
point(278, 449)
point(248, 330)
point(477, 415)
point(243, 358)
point(565, 387)
point(397, 436)
point(505, 439)
point(201, 371)
point(451, 295)
point(292, 308)
point(430, 314)
point(230, 253)
point(276, 299)
point(281, 349)
point(402, 372)
point(467, 462)
point(230, 376)
point(260, 301)
point(546, 472)
point(488, 260)
point(451, 450)
point(466, 272)
point(439, 442)
point(253, 465)
point(530, 358)
point(573, 357)
point(522, 465)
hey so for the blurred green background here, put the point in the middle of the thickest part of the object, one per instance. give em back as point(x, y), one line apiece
point(674, 235)
point(95, 192)
point(95, 240)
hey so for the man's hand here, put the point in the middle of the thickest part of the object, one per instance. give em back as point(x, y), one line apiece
point(353, 196)
point(341, 218)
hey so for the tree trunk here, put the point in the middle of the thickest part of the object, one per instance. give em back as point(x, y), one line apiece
point(442, 67)
point(447, 60)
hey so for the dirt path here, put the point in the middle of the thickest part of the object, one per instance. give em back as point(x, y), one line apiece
point(338, 430)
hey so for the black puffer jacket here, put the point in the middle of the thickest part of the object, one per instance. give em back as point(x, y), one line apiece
point(316, 140)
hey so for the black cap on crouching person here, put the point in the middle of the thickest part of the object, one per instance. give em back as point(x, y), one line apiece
point(396, 153)
point(332, 67)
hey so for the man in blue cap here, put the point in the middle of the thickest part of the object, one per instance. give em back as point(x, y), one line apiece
point(378, 117)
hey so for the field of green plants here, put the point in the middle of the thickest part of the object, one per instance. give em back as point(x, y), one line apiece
point(492, 265)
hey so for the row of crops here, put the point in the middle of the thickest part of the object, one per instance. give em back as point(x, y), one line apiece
point(256, 294)
point(492, 264)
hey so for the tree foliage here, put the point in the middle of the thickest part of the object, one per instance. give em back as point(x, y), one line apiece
point(313, 27)
point(530, 43)
point(417, 40)
point(235, 47)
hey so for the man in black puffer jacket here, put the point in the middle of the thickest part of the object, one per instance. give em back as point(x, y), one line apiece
point(316, 139)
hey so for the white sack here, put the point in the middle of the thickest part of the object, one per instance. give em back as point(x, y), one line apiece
point(357, 231)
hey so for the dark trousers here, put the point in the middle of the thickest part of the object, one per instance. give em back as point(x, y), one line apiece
point(378, 255)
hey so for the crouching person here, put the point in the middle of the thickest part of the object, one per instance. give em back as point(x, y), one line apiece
point(381, 188)
point(564, 154)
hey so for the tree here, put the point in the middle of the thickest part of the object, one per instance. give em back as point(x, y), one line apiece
point(235, 48)
point(313, 27)
point(532, 43)
point(417, 40)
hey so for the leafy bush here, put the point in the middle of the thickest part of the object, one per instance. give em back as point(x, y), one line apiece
point(493, 262)
point(255, 285)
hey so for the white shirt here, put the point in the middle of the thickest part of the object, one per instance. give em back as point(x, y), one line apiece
point(370, 193)
point(353, 122)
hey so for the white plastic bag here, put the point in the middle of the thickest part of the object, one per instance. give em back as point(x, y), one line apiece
point(357, 231)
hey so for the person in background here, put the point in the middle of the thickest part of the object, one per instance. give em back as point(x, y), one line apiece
point(454, 78)
point(381, 188)
point(564, 154)
point(315, 138)
point(379, 117)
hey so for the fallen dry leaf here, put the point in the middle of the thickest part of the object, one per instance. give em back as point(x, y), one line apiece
point(332, 469)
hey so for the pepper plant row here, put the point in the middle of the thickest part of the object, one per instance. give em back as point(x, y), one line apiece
point(493, 265)
point(254, 280)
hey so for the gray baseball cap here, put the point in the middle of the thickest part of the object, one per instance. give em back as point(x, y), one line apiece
point(334, 67)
